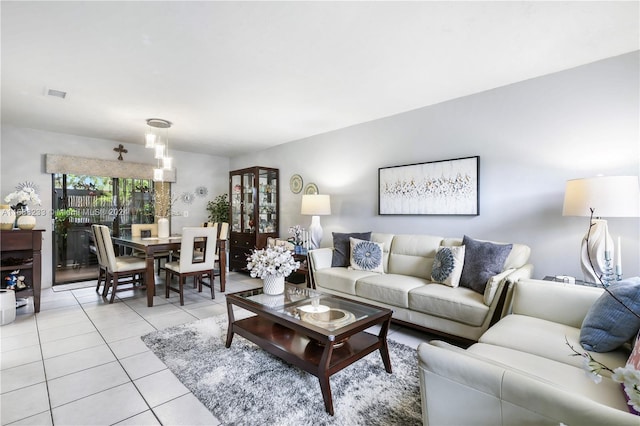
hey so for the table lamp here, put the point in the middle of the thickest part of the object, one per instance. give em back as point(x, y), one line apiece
point(599, 197)
point(315, 205)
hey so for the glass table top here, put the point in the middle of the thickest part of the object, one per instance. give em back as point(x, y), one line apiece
point(322, 310)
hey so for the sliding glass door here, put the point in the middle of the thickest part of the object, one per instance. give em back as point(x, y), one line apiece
point(80, 201)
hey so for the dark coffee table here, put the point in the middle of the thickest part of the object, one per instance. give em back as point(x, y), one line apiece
point(320, 340)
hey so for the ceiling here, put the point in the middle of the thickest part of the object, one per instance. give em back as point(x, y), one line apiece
point(240, 76)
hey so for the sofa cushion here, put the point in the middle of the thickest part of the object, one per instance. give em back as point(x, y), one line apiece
point(447, 266)
point(342, 246)
point(546, 339)
point(457, 304)
point(339, 279)
point(482, 260)
point(413, 255)
point(389, 288)
point(366, 255)
point(609, 324)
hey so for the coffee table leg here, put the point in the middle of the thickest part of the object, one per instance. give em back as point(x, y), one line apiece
point(384, 348)
point(230, 328)
point(323, 376)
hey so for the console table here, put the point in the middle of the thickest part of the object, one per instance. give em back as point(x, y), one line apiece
point(24, 249)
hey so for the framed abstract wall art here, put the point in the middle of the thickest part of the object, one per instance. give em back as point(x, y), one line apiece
point(449, 187)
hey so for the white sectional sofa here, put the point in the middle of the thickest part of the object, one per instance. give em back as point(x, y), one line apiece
point(406, 288)
point(522, 371)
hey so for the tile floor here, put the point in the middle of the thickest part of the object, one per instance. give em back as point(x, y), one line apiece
point(80, 361)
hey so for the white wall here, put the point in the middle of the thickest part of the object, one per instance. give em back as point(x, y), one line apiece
point(531, 137)
point(22, 158)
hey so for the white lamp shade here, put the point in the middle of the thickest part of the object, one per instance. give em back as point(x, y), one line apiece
point(608, 196)
point(158, 175)
point(159, 151)
point(149, 140)
point(167, 163)
point(315, 205)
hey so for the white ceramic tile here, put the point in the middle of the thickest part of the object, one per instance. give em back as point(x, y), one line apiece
point(71, 344)
point(107, 407)
point(169, 320)
point(65, 318)
point(126, 347)
point(144, 419)
point(409, 337)
point(208, 311)
point(10, 359)
point(23, 403)
point(142, 364)
point(11, 343)
point(57, 303)
point(76, 361)
point(160, 387)
point(186, 410)
point(50, 313)
point(132, 329)
point(62, 332)
point(121, 319)
point(155, 310)
point(85, 383)
point(21, 325)
point(21, 376)
point(42, 419)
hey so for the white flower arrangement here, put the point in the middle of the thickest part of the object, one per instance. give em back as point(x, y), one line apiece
point(24, 194)
point(628, 376)
point(276, 261)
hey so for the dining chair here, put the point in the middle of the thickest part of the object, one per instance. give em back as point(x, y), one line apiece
point(96, 248)
point(222, 235)
point(142, 230)
point(197, 258)
point(130, 268)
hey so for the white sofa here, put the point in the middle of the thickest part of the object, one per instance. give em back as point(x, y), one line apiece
point(406, 288)
point(522, 371)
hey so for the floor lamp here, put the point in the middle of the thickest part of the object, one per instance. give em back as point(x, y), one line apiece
point(315, 205)
point(597, 198)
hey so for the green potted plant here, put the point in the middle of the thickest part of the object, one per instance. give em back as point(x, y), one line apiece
point(219, 209)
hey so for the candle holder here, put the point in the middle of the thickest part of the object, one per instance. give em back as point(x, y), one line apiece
point(608, 277)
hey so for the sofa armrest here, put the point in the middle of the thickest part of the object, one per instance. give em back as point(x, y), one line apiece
point(549, 300)
point(320, 258)
point(508, 276)
point(495, 394)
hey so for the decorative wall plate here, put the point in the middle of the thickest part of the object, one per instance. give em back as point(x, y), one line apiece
point(311, 189)
point(202, 191)
point(295, 183)
point(187, 197)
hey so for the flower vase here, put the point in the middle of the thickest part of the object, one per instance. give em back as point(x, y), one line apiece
point(273, 284)
point(163, 227)
point(22, 210)
point(7, 217)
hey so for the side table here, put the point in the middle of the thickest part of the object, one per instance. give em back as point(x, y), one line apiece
point(578, 282)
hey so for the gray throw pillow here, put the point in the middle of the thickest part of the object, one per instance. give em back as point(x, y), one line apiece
point(482, 260)
point(608, 324)
point(342, 247)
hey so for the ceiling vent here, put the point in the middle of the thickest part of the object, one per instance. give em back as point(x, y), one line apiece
point(57, 93)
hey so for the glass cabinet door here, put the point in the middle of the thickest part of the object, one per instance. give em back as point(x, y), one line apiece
point(248, 202)
point(268, 201)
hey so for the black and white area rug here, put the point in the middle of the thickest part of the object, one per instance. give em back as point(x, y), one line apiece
point(244, 385)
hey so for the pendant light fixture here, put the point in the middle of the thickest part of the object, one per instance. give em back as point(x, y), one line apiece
point(159, 141)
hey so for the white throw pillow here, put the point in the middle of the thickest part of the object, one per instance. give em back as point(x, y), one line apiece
point(366, 255)
point(447, 265)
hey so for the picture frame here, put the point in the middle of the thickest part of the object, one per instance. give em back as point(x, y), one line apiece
point(446, 187)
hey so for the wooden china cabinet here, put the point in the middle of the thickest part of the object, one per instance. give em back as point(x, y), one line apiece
point(254, 212)
point(21, 250)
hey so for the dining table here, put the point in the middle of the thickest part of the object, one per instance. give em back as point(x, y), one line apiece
point(152, 245)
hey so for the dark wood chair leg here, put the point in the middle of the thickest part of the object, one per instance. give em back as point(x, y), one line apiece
point(181, 281)
point(167, 283)
point(114, 287)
